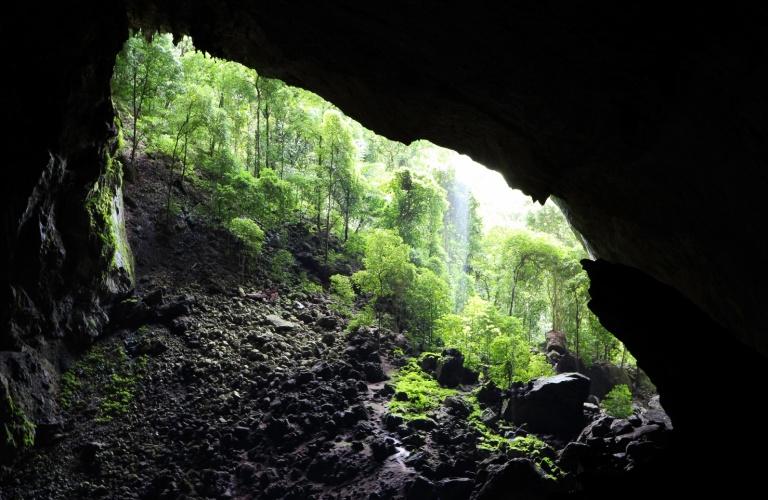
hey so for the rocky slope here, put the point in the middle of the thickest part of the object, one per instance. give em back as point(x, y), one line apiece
point(217, 385)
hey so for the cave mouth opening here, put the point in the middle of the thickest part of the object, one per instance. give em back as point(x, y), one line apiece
point(332, 288)
point(255, 147)
point(309, 201)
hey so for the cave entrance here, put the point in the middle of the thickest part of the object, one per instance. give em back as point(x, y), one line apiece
point(426, 264)
point(266, 155)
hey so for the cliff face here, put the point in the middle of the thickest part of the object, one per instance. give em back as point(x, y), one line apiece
point(648, 126)
point(64, 250)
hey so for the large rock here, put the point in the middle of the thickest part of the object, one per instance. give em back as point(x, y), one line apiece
point(550, 405)
point(556, 341)
point(519, 478)
point(279, 323)
point(605, 376)
point(568, 363)
point(450, 368)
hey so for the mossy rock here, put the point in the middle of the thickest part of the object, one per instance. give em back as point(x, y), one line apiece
point(17, 431)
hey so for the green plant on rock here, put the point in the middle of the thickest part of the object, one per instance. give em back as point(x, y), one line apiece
point(618, 402)
point(529, 446)
point(68, 389)
point(539, 452)
point(309, 286)
point(416, 393)
point(489, 440)
point(18, 432)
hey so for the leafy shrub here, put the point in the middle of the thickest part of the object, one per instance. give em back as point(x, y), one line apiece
point(308, 286)
point(341, 290)
point(618, 402)
point(365, 317)
point(416, 393)
point(282, 263)
point(249, 233)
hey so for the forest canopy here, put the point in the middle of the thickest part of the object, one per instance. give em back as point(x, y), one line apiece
point(441, 261)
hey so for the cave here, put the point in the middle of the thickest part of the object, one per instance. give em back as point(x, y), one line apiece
point(644, 124)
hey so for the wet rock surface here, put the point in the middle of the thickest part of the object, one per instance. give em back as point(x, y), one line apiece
point(550, 405)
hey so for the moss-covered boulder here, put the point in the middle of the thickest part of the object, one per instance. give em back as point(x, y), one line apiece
point(16, 430)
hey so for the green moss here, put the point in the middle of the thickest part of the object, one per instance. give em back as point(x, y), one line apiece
point(530, 446)
point(68, 389)
point(106, 377)
point(18, 431)
point(109, 236)
point(540, 452)
point(120, 389)
point(489, 440)
point(416, 393)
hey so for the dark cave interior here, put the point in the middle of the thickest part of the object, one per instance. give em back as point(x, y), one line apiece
point(648, 126)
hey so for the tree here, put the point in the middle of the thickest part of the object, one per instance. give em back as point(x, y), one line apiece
point(388, 271)
point(250, 236)
point(144, 70)
point(428, 298)
point(416, 211)
point(337, 152)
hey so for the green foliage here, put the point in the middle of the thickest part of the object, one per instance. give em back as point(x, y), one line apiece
point(268, 154)
point(249, 233)
point(388, 272)
point(428, 298)
point(416, 393)
point(618, 402)
point(342, 293)
point(492, 343)
point(68, 388)
point(550, 220)
point(416, 210)
point(364, 317)
point(540, 452)
point(281, 265)
point(311, 287)
point(529, 446)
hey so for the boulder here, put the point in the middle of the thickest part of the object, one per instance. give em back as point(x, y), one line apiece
point(458, 406)
point(455, 488)
point(279, 323)
point(328, 322)
point(519, 477)
point(428, 362)
point(568, 363)
point(469, 376)
point(550, 405)
point(600, 428)
point(556, 341)
point(489, 394)
point(450, 368)
point(604, 377)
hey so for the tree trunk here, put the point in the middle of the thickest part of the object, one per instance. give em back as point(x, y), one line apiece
point(266, 136)
point(328, 208)
point(258, 129)
point(346, 214)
